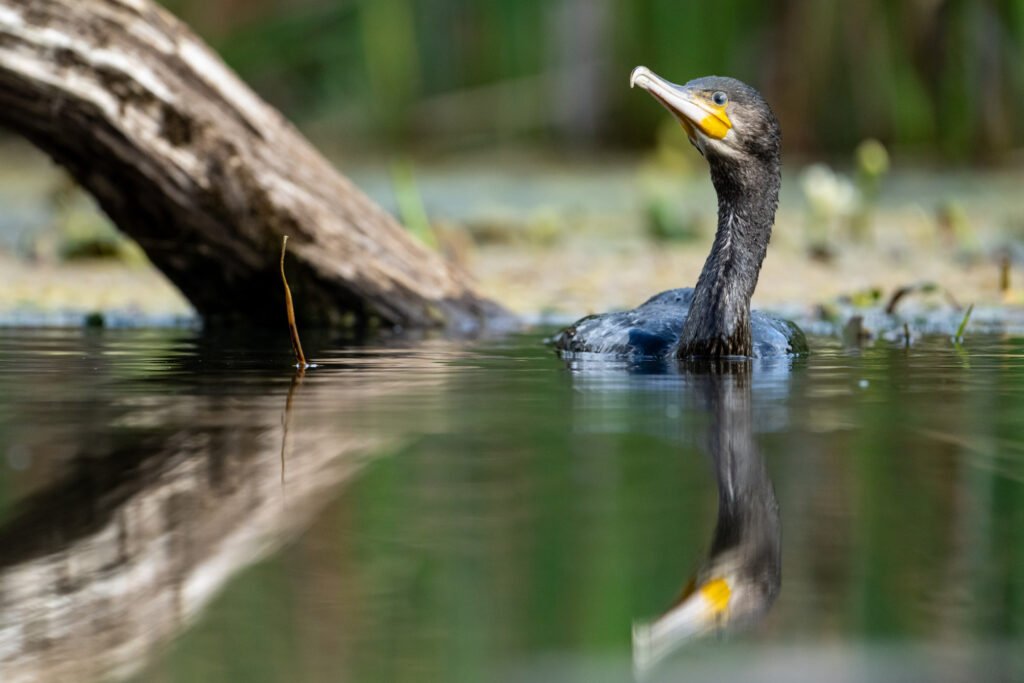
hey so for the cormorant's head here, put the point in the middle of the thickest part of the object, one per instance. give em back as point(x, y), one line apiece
point(732, 591)
point(723, 117)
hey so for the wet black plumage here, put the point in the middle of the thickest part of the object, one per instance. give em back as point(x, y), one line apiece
point(714, 318)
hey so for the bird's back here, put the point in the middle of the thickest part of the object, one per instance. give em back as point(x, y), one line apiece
point(651, 331)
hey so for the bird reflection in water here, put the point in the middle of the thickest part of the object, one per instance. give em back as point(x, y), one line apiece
point(740, 579)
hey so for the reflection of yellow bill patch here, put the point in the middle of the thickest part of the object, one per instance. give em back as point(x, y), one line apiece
point(716, 124)
point(717, 593)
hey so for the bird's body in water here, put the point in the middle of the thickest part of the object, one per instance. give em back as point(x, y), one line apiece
point(732, 126)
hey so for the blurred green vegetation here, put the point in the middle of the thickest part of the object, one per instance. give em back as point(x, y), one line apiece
point(939, 78)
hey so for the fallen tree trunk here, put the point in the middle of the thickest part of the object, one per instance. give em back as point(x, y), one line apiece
point(206, 177)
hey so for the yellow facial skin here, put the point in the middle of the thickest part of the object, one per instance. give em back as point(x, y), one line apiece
point(716, 123)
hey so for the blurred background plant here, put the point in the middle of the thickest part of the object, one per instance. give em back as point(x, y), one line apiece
point(504, 134)
point(942, 78)
point(832, 200)
point(872, 160)
point(73, 230)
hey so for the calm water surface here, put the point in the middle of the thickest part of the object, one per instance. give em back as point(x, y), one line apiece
point(179, 507)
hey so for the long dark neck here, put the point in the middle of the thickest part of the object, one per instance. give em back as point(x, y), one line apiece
point(748, 531)
point(718, 323)
point(747, 509)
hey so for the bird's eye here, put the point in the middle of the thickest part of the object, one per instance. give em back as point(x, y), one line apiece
point(720, 98)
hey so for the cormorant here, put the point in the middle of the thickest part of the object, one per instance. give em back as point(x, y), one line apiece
point(734, 129)
point(742, 575)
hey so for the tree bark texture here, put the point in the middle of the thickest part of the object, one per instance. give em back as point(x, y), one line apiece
point(206, 177)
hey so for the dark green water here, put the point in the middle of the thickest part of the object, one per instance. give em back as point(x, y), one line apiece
point(484, 512)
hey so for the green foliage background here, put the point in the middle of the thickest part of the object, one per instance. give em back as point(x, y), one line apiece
point(941, 78)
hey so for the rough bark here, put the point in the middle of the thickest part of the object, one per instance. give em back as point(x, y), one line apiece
point(207, 177)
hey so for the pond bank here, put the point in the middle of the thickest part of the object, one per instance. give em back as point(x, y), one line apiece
point(553, 241)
